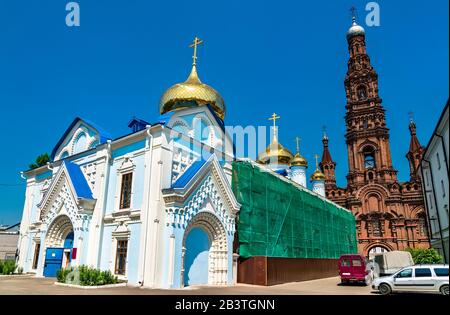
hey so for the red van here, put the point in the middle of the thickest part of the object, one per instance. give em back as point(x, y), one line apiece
point(352, 268)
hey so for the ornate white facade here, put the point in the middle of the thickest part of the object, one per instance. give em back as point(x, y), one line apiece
point(180, 182)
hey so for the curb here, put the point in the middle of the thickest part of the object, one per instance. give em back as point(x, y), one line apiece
point(124, 284)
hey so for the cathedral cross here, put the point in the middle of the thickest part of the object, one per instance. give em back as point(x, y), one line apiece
point(317, 161)
point(274, 117)
point(197, 41)
point(297, 140)
point(353, 10)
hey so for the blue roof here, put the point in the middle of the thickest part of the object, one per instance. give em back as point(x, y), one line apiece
point(282, 172)
point(79, 182)
point(184, 179)
point(104, 135)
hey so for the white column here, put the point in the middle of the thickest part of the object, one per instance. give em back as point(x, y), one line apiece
point(171, 259)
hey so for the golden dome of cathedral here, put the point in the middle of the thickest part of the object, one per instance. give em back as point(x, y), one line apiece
point(275, 152)
point(317, 175)
point(299, 160)
point(192, 93)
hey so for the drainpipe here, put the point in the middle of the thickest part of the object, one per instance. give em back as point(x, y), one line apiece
point(424, 191)
point(150, 145)
point(105, 197)
point(437, 210)
point(443, 149)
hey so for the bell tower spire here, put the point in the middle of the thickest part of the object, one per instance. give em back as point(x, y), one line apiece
point(327, 164)
point(415, 151)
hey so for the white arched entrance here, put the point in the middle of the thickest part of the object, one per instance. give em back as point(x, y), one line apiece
point(205, 251)
point(58, 245)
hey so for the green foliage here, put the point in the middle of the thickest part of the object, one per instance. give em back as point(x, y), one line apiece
point(7, 267)
point(86, 276)
point(61, 274)
point(41, 160)
point(425, 255)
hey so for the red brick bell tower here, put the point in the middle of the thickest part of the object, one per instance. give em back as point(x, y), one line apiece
point(390, 215)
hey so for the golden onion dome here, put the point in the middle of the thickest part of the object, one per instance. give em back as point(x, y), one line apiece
point(192, 93)
point(299, 160)
point(317, 175)
point(275, 152)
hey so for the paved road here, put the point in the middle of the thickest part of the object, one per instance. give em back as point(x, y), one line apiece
point(329, 286)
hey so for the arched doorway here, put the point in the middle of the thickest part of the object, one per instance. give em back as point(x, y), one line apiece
point(59, 245)
point(205, 258)
point(196, 257)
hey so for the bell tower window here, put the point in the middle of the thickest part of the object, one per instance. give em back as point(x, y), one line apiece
point(362, 92)
point(369, 158)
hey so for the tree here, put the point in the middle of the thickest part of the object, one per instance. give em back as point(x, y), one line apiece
point(425, 255)
point(41, 160)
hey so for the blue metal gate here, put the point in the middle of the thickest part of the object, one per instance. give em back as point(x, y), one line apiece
point(53, 261)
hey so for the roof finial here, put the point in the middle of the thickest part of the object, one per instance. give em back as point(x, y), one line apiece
point(194, 45)
point(316, 156)
point(193, 76)
point(411, 117)
point(297, 140)
point(324, 130)
point(274, 117)
point(353, 10)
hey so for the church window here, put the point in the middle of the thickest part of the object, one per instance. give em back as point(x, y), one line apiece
point(369, 158)
point(431, 201)
point(438, 161)
point(36, 255)
point(365, 124)
point(121, 257)
point(376, 227)
point(362, 92)
point(125, 191)
point(443, 188)
point(80, 143)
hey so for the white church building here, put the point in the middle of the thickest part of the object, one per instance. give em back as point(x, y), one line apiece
point(155, 207)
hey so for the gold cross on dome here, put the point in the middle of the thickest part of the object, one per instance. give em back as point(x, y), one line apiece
point(197, 41)
point(297, 140)
point(317, 161)
point(274, 117)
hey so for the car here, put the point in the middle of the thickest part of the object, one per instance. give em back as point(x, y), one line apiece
point(417, 278)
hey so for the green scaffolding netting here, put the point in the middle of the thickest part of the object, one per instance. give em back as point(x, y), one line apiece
point(280, 219)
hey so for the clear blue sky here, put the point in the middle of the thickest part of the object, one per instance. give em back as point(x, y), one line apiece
point(263, 56)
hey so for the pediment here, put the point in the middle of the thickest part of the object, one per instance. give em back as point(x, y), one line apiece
point(209, 182)
point(201, 124)
point(67, 192)
point(81, 135)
